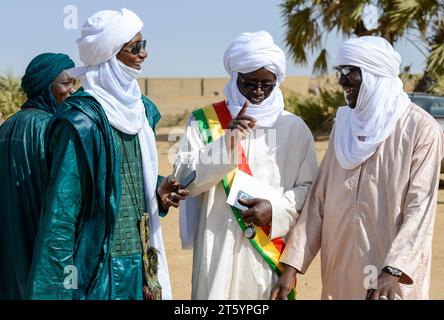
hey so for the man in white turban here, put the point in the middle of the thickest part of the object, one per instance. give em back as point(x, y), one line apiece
point(236, 251)
point(100, 236)
point(371, 209)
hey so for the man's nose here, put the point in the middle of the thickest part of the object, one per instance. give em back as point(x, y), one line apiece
point(342, 80)
point(143, 54)
point(258, 90)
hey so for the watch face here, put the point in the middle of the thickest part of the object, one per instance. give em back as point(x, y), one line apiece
point(393, 271)
point(250, 232)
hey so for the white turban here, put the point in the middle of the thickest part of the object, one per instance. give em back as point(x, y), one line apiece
point(381, 101)
point(372, 54)
point(105, 33)
point(252, 51)
point(247, 53)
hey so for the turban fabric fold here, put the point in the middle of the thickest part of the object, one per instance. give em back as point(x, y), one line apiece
point(381, 100)
point(252, 51)
point(105, 33)
point(42, 71)
point(247, 53)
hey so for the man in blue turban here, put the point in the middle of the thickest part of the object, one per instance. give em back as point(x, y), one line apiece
point(22, 158)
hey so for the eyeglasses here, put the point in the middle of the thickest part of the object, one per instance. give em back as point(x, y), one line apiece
point(345, 71)
point(250, 85)
point(137, 47)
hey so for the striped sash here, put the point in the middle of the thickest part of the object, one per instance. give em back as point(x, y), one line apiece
point(213, 120)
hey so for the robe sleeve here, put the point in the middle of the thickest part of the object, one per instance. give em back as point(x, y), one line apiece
point(304, 239)
point(418, 212)
point(53, 274)
point(286, 210)
point(210, 161)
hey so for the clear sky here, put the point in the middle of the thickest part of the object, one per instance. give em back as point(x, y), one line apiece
point(185, 38)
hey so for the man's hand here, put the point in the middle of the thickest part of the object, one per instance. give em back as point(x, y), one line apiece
point(240, 126)
point(285, 283)
point(259, 212)
point(170, 193)
point(388, 288)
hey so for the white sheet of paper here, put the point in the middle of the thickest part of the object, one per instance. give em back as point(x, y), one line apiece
point(251, 186)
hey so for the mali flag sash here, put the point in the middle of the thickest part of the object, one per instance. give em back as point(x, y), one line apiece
point(213, 120)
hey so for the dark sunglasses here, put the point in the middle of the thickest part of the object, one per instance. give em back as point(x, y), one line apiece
point(137, 47)
point(250, 85)
point(345, 71)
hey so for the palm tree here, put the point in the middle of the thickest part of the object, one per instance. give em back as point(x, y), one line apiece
point(12, 95)
point(433, 78)
point(309, 22)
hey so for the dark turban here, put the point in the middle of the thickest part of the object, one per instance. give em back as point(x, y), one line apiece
point(42, 71)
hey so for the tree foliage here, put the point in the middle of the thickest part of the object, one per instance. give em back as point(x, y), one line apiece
point(12, 95)
point(309, 22)
point(318, 111)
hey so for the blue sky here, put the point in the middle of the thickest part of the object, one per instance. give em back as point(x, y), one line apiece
point(185, 38)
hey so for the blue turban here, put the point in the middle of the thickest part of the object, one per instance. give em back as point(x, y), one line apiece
point(42, 71)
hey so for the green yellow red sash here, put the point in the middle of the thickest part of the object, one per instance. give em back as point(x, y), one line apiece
point(213, 120)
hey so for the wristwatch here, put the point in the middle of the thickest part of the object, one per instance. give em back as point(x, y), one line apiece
point(393, 271)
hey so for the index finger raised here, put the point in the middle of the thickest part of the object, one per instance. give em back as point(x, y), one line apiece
point(244, 108)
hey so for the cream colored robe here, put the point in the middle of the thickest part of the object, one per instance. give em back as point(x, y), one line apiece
point(379, 214)
point(225, 264)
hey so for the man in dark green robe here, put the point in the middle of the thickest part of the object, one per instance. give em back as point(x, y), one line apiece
point(99, 236)
point(22, 157)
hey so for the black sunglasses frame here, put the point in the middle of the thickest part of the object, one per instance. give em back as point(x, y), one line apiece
point(137, 47)
point(345, 71)
point(249, 85)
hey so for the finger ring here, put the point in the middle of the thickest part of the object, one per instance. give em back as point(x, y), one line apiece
point(383, 298)
point(397, 297)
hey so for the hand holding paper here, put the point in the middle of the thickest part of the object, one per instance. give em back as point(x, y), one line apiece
point(259, 209)
point(259, 212)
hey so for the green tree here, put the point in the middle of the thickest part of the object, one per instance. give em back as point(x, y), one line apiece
point(308, 23)
point(12, 95)
point(318, 111)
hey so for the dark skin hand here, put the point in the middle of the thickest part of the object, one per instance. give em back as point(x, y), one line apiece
point(240, 127)
point(259, 212)
point(285, 283)
point(388, 286)
point(170, 193)
point(243, 123)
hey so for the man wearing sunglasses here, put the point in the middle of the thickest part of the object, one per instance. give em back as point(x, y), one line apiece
point(236, 250)
point(100, 225)
point(371, 209)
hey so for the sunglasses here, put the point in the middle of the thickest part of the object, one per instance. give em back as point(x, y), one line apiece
point(137, 47)
point(345, 71)
point(250, 85)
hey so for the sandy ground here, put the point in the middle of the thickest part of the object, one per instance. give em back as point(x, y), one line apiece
point(309, 285)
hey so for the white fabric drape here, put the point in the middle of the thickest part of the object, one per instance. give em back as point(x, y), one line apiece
point(104, 34)
point(381, 100)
